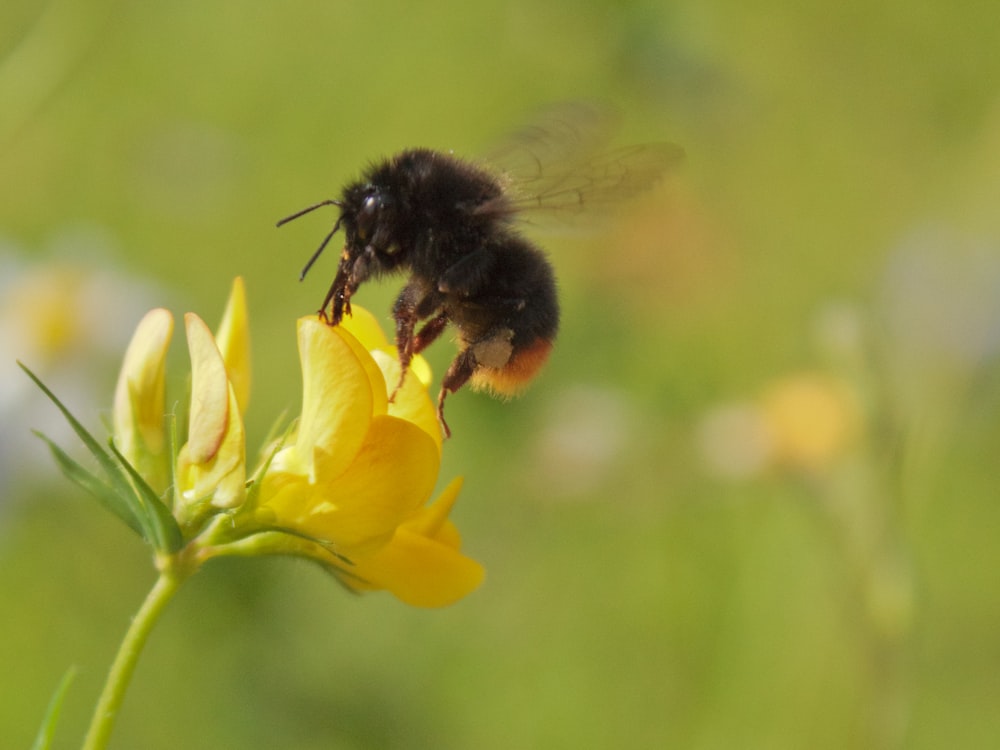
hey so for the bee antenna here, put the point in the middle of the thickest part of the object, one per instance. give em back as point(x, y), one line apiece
point(322, 247)
point(326, 240)
point(304, 211)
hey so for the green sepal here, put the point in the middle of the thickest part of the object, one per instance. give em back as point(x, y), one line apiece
point(166, 534)
point(94, 485)
point(43, 740)
point(254, 483)
point(326, 546)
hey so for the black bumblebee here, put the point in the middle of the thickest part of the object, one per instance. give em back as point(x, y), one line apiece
point(450, 224)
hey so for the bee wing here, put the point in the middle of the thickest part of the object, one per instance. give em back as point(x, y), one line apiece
point(552, 141)
point(597, 184)
point(560, 165)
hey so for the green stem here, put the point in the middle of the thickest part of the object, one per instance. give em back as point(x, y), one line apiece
point(121, 671)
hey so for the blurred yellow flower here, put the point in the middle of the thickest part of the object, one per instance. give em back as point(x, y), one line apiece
point(812, 419)
point(40, 299)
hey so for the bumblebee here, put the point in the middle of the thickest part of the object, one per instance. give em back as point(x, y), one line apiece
point(451, 224)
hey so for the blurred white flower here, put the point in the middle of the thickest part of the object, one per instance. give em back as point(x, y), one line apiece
point(68, 319)
point(940, 298)
point(734, 440)
point(939, 315)
point(587, 432)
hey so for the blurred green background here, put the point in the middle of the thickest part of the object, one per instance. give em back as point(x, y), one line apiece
point(753, 500)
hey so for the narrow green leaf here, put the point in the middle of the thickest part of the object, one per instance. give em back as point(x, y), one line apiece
point(107, 463)
point(167, 535)
point(174, 448)
point(94, 485)
point(276, 429)
point(116, 475)
point(43, 740)
point(341, 576)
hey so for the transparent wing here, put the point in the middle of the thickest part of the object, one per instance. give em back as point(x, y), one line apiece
point(560, 166)
point(553, 140)
point(595, 184)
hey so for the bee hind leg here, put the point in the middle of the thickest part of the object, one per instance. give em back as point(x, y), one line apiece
point(458, 375)
point(492, 352)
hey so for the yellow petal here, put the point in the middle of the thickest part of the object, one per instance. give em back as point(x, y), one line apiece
point(222, 479)
point(137, 417)
point(432, 519)
point(341, 390)
point(392, 474)
point(365, 328)
point(418, 571)
point(209, 393)
point(212, 464)
point(421, 565)
point(233, 340)
point(412, 402)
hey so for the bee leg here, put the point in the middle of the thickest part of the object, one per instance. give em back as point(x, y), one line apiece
point(429, 333)
point(404, 312)
point(424, 338)
point(413, 305)
point(458, 375)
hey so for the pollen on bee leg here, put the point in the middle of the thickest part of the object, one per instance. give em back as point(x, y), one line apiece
point(516, 374)
point(494, 352)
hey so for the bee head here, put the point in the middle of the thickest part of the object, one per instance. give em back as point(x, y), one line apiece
point(369, 217)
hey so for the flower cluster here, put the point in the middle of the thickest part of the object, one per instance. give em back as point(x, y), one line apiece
point(346, 486)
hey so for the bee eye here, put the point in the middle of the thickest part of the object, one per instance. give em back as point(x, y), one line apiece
point(366, 216)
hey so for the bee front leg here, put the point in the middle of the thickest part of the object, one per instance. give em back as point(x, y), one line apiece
point(404, 312)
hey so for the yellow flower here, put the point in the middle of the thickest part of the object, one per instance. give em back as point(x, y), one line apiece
point(358, 470)
point(347, 487)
